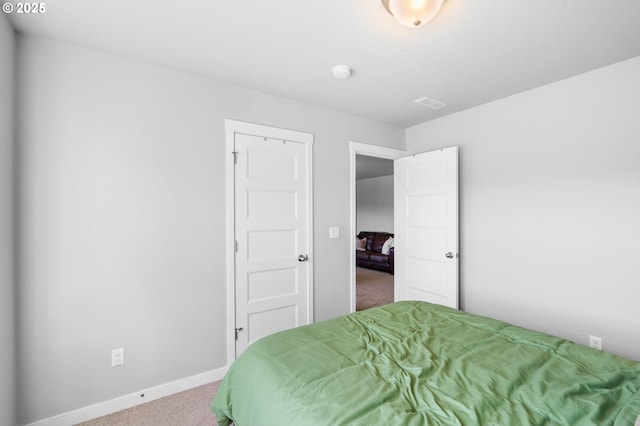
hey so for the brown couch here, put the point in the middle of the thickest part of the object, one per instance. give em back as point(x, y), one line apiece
point(372, 256)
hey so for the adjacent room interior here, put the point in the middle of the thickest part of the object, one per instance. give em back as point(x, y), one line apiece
point(374, 215)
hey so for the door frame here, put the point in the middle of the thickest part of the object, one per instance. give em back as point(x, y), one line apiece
point(231, 128)
point(357, 148)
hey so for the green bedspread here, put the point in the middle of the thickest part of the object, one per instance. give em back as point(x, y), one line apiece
point(413, 363)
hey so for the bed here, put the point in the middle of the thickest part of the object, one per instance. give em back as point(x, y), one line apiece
point(414, 363)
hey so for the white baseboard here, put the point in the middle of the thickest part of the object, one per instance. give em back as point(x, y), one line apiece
point(131, 400)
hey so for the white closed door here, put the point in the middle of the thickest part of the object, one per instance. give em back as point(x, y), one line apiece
point(272, 225)
point(426, 227)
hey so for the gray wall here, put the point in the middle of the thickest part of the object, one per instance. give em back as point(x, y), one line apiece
point(7, 317)
point(122, 204)
point(374, 204)
point(550, 201)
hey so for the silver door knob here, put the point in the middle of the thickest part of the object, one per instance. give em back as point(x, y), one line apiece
point(303, 258)
point(449, 255)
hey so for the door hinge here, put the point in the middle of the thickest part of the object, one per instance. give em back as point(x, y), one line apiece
point(235, 246)
point(235, 157)
point(238, 330)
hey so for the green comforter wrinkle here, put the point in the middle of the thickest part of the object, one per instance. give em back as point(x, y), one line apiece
point(414, 363)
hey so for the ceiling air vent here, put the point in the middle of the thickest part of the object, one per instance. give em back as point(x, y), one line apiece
point(430, 103)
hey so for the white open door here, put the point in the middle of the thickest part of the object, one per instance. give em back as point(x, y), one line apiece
point(426, 227)
point(272, 235)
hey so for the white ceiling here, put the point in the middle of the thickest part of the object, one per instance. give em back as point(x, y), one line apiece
point(472, 52)
point(371, 167)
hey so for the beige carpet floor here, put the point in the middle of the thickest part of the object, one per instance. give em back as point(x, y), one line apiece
point(188, 408)
point(373, 288)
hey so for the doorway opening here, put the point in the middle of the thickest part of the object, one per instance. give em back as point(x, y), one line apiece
point(371, 206)
point(425, 223)
point(374, 249)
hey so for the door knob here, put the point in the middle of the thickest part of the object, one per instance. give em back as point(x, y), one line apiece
point(449, 255)
point(303, 258)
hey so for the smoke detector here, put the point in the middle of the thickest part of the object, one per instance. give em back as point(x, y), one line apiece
point(341, 72)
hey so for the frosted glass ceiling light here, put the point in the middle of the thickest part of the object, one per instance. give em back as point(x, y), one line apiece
point(413, 13)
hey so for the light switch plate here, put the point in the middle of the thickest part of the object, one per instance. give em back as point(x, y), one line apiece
point(117, 357)
point(334, 232)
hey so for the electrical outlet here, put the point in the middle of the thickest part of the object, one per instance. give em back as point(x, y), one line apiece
point(117, 357)
point(595, 342)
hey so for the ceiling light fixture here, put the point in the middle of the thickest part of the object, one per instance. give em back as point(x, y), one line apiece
point(413, 13)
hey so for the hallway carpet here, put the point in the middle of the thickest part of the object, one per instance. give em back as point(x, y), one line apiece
point(373, 288)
